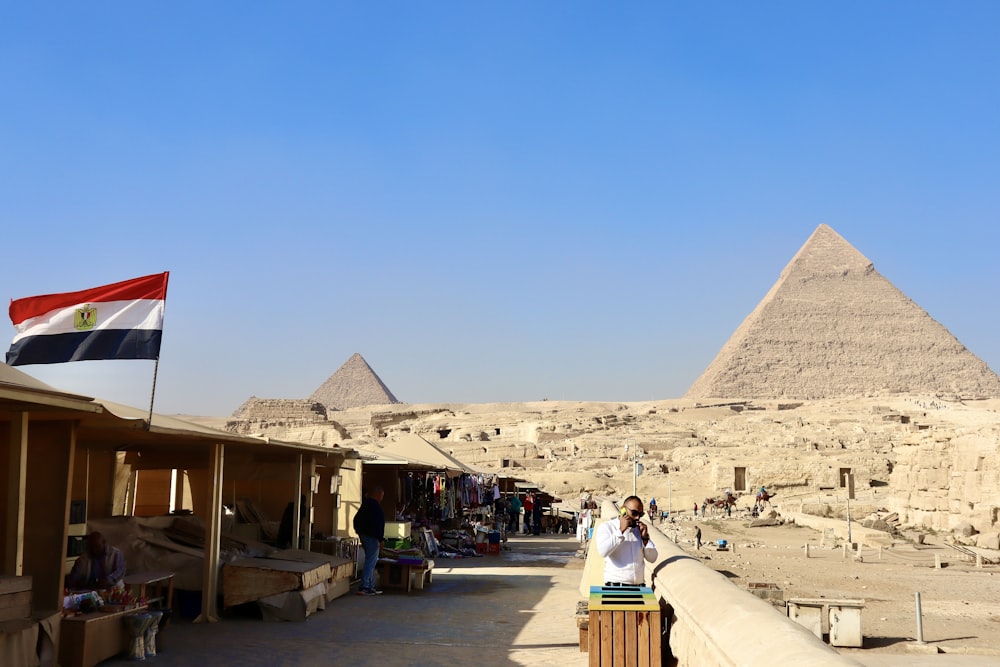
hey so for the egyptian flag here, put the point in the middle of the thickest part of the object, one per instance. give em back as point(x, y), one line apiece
point(119, 321)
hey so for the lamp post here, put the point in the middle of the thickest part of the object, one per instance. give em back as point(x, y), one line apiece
point(847, 486)
point(633, 454)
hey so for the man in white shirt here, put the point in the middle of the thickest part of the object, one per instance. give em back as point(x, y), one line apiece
point(625, 545)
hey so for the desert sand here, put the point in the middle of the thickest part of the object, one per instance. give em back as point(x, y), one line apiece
point(960, 602)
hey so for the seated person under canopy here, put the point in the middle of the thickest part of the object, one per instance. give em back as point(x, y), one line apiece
point(99, 567)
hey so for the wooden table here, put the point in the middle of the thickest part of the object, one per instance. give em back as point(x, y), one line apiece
point(405, 575)
point(157, 581)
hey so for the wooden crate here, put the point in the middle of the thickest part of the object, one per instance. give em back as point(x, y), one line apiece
point(624, 627)
point(88, 639)
point(252, 579)
point(15, 598)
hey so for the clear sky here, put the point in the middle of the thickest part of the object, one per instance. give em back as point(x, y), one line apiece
point(489, 201)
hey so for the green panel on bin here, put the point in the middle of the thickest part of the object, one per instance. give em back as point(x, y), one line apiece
point(614, 590)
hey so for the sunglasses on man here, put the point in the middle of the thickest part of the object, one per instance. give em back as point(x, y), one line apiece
point(636, 514)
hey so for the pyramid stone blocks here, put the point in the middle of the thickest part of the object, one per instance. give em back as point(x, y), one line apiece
point(833, 327)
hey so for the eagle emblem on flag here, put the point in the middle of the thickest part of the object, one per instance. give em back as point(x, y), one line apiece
point(85, 318)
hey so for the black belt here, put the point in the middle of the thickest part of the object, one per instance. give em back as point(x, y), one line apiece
point(618, 583)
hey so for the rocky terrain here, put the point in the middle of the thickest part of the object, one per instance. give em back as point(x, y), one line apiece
point(931, 460)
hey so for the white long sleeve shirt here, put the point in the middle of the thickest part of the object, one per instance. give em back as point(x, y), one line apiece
point(624, 554)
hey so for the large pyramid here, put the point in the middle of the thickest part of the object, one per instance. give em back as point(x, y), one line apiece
point(833, 327)
point(354, 385)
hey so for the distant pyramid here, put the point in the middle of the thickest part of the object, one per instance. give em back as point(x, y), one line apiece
point(833, 327)
point(354, 385)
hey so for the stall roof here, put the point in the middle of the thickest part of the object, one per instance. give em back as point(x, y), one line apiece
point(162, 425)
point(415, 449)
point(117, 426)
point(381, 458)
point(19, 392)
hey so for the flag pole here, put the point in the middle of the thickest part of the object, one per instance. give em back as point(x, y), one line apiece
point(156, 366)
point(152, 394)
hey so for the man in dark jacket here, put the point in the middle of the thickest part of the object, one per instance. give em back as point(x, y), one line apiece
point(369, 524)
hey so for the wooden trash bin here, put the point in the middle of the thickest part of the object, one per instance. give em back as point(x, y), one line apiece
point(624, 626)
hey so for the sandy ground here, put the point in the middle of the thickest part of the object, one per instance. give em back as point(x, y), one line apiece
point(960, 602)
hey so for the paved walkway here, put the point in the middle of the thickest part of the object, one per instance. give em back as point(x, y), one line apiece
point(513, 609)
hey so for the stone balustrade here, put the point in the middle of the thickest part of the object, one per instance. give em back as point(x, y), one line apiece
point(712, 622)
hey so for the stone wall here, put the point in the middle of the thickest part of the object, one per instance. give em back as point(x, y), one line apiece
point(943, 481)
point(275, 415)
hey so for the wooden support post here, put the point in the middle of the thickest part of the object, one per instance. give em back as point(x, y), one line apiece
point(213, 534)
point(297, 509)
point(309, 502)
point(807, 551)
point(17, 475)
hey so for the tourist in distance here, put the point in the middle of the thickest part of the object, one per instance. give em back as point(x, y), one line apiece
point(652, 509)
point(529, 505)
point(369, 524)
point(515, 514)
point(625, 545)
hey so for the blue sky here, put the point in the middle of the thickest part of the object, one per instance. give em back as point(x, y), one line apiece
point(488, 201)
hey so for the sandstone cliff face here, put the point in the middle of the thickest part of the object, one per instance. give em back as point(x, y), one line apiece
point(833, 327)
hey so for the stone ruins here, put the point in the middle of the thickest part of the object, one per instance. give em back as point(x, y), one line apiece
point(835, 380)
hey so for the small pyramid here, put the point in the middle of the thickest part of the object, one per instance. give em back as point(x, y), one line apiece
point(833, 327)
point(354, 385)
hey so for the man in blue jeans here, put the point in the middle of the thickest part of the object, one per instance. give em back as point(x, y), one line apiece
point(369, 524)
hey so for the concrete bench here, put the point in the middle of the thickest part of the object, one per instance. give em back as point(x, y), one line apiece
point(840, 618)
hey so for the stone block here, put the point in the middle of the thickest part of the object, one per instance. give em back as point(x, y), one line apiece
point(964, 529)
point(988, 541)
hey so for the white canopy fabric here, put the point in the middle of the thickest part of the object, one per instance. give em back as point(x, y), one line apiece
point(415, 449)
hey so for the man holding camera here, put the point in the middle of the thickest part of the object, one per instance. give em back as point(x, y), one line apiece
point(625, 545)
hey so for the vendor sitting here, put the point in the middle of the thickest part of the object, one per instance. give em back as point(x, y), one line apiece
point(99, 567)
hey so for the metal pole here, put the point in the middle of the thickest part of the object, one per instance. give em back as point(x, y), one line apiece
point(631, 449)
point(847, 486)
point(668, 497)
point(920, 620)
point(635, 471)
